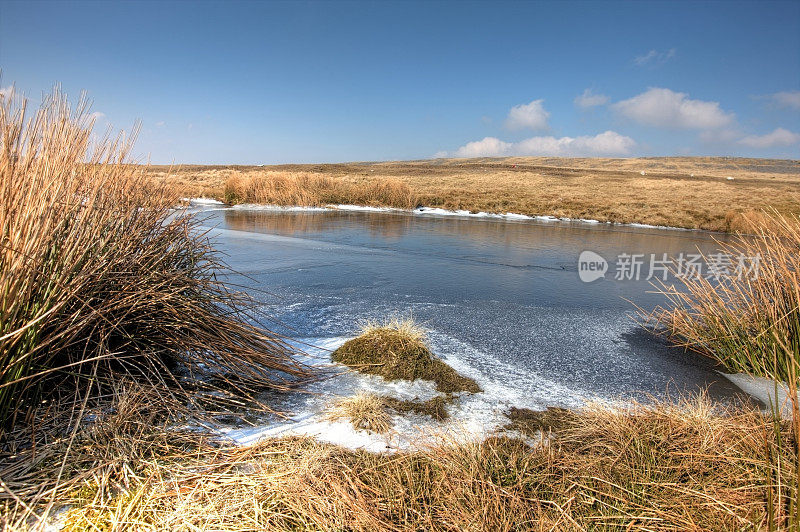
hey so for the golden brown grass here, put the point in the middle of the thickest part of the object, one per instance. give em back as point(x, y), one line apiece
point(102, 282)
point(749, 320)
point(397, 350)
point(365, 411)
point(304, 188)
point(532, 422)
point(690, 466)
point(681, 192)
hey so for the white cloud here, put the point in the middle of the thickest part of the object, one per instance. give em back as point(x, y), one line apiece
point(528, 116)
point(779, 137)
point(488, 147)
point(790, 99)
point(161, 124)
point(95, 116)
point(654, 57)
point(665, 108)
point(588, 100)
point(608, 143)
point(7, 92)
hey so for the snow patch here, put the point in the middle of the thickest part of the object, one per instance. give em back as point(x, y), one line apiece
point(365, 208)
point(202, 201)
point(763, 389)
point(277, 208)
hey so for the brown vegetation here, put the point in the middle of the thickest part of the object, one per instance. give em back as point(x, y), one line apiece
point(532, 422)
point(365, 411)
point(304, 188)
point(101, 283)
point(682, 192)
point(435, 407)
point(397, 350)
point(749, 320)
point(661, 467)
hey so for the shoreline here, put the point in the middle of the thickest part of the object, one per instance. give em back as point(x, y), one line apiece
point(433, 212)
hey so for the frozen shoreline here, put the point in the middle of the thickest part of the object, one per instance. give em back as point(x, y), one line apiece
point(472, 416)
point(428, 212)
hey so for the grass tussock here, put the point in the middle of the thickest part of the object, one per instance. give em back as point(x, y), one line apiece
point(660, 467)
point(371, 412)
point(309, 189)
point(365, 411)
point(750, 321)
point(102, 281)
point(396, 350)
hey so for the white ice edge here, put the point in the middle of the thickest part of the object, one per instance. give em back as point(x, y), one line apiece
point(763, 389)
point(436, 211)
point(203, 201)
point(473, 417)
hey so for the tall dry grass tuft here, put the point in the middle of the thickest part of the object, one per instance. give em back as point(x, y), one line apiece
point(750, 321)
point(310, 189)
point(101, 278)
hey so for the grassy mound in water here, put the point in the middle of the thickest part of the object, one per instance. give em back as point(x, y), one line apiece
point(434, 407)
point(396, 350)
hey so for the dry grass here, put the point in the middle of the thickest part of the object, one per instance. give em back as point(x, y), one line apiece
point(661, 467)
point(397, 350)
point(750, 321)
point(103, 283)
point(681, 192)
point(435, 407)
point(370, 412)
point(532, 422)
point(304, 188)
point(365, 411)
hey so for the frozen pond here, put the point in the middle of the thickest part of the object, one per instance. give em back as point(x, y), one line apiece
point(502, 299)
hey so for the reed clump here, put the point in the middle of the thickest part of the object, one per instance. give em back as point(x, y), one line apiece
point(101, 279)
point(396, 350)
point(311, 189)
point(749, 321)
point(691, 466)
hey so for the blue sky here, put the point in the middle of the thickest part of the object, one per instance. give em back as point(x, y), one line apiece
point(272, 82)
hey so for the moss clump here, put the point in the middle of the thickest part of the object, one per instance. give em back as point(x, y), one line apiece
point(530, 422)
point(435, 407)
point(397, 350)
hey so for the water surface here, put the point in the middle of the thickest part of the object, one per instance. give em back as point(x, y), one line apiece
point(502, 299)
